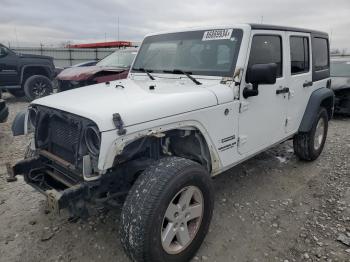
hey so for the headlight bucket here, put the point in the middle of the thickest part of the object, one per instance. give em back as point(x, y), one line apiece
point(92, 140)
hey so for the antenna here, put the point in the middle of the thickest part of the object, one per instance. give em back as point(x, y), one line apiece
point(16, 36)
point(262, 19)
point(331, 36)
point(118, 28)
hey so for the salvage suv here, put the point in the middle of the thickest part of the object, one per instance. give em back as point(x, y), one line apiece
point(195, 104)
point(340, 75)
point(26, 74)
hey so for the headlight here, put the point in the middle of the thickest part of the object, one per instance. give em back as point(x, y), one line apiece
point(93, 140)
point(32, 117)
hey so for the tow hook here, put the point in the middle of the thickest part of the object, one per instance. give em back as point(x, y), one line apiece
point(53, 198)
point(10, 174)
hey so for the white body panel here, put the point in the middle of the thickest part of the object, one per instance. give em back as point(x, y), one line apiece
point(135, 102)
point(299, 95)
point(262, 118)
point(177, 103)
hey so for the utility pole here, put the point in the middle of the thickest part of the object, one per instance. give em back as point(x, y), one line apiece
point(16, 36)
point(118, 30)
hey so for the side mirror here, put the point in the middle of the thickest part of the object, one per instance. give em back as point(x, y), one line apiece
point(260, 74)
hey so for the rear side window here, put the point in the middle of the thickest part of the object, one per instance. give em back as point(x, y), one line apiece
point(266, 49)
point(299, 53)
point(320, 48)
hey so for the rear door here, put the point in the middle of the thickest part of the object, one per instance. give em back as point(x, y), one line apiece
point(262, 117)
point(299, 77)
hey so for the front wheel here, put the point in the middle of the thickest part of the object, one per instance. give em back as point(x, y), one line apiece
point(308, 146)
point(167, 212)
point(37, 86)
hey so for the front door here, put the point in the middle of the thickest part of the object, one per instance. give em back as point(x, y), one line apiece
point(262, 118)
point(8, 67)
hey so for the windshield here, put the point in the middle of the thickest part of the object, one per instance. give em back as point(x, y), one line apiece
point(118, 59)
point(340, 69)
point(212, 52)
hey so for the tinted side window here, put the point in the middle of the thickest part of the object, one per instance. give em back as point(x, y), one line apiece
point(299, 54)
point(3, 51)
point(320, 48)
point(266, 49)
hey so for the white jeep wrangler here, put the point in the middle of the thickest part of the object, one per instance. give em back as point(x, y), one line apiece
point(195, 104)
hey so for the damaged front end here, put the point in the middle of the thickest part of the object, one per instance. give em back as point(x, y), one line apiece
point(65, 188)
point(64, 167)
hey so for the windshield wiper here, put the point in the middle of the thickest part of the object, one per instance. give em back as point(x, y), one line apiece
point(188, 74)
point(145, 71)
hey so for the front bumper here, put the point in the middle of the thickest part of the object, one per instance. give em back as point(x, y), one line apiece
point(62, 187)
point(65, 188)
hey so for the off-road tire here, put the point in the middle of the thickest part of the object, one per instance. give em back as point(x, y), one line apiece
point(303, 143)
point(16, 92)
point(4, 112)
point(37, 86)
point(145, 206)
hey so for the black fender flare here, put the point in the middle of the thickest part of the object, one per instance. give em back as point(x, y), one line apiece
point(18, 124)
point(47, 68)
point(315, 101)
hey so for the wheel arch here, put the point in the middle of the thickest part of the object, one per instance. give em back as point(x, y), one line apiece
point(189, 141)
point(323, 97)
point(29, 70)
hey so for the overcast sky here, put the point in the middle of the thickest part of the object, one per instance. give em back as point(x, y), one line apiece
point(57, 21)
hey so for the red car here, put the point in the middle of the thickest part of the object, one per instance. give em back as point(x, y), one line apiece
point(113, 67)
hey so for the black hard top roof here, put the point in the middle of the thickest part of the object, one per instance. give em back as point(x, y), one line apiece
point(286, 28)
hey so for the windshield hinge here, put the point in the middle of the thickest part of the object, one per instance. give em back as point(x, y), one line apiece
point(119, 124)
point(242, 140)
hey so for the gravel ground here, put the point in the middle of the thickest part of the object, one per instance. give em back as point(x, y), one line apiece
point(271, 208)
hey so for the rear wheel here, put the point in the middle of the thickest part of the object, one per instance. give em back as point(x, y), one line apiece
point(37, 86)
point(308, 146)
point(167, 212)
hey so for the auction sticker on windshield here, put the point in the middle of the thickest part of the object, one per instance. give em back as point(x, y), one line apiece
point(218, 34)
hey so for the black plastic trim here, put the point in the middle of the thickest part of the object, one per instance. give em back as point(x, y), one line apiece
point(313, 106)
point(18, 124)
point(286, 28)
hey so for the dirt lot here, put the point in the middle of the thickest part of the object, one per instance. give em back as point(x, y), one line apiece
point(271, 208)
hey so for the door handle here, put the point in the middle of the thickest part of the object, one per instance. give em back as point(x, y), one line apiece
point(283, 90)
point(307, 84)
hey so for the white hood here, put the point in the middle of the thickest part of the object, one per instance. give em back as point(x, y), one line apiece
point(135, 103)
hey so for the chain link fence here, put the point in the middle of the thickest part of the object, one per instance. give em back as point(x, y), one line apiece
point(64, 57)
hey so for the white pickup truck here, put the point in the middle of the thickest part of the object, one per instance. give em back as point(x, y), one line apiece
point(195, 104)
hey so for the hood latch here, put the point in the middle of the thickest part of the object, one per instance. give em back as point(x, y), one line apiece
point(119, 124)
